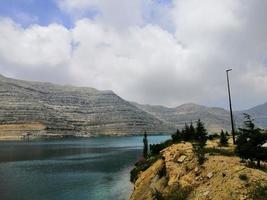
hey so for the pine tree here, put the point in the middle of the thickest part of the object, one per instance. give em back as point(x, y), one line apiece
point(250, 141)
point(177, 137)
point(200, 141)
point(187, 135)
point(201, 132)
point(192, 131)
point(223, 139)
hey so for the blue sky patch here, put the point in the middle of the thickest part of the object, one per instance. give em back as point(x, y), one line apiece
point(27, 12)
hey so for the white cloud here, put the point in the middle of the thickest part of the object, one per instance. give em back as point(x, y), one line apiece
point(34, 46)
point(118, 13)
point(181, 58)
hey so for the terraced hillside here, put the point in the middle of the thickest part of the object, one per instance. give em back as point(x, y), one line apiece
point(214, 118)
point(73, 110)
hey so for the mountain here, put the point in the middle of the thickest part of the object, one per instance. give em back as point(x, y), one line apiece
point(47, 108)
point(72, 110)
point(259, 113)
point(214, 118)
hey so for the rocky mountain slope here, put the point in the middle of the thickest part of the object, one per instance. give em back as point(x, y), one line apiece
point(72, 110)
point(214, 118)
point(177, 175)
point(49, 108)
point(259, 113)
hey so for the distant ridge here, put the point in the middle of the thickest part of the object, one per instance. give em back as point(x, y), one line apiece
point(259, 113)
point(215, 118)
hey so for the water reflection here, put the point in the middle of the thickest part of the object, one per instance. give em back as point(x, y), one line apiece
point(94, 168)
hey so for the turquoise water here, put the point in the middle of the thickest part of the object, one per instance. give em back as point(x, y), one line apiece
point(88, 168)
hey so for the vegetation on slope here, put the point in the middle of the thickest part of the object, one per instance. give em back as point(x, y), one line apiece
point(182, 170)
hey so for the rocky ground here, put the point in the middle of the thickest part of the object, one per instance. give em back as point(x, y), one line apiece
point(177, 175)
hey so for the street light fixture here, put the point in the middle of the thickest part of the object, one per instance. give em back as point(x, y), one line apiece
point(230, 104)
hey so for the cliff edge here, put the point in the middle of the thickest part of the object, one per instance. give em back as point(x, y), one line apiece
point(177, 175)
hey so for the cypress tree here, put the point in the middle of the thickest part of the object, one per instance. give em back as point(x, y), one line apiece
point(145, 149)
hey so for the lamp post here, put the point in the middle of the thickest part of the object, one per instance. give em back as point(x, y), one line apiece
point(230, 104)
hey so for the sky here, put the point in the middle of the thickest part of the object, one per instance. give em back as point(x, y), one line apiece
point(162, 52)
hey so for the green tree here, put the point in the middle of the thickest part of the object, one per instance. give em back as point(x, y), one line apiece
point(227, 134)
point(250, 141)
point(177, 137)
point(192, 130)
point(145, 149)
point(201, 132)
point(200, 141)
point(186, 134)
point(223, 139)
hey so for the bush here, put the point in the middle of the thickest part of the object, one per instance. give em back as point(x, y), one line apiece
point(243, 177)
point(141, 165)
point(156, 148)
point(258, 192)
point(157, 195)
point(199, 151)
point(177, 193)
point(162, 172)
point(213, 136)
point(218, 151)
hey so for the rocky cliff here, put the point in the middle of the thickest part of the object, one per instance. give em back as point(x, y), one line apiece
point(177, 175)
point(72, 110)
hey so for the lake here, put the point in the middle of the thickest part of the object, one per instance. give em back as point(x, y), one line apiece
point(83, 168)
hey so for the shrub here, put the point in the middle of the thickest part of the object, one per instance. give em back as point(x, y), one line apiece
point(177, 193)
point(156, 148)
point(217, 151)
point(258, 192)
point(243, 177)
point(157, 195)
point(162, 172)
point(200, 152)
point(142, 165)
point(213, 136)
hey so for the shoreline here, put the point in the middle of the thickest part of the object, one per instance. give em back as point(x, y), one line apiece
point(61, 136)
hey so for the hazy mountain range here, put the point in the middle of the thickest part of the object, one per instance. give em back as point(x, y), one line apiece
point(87, 111)
point(215, 118)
